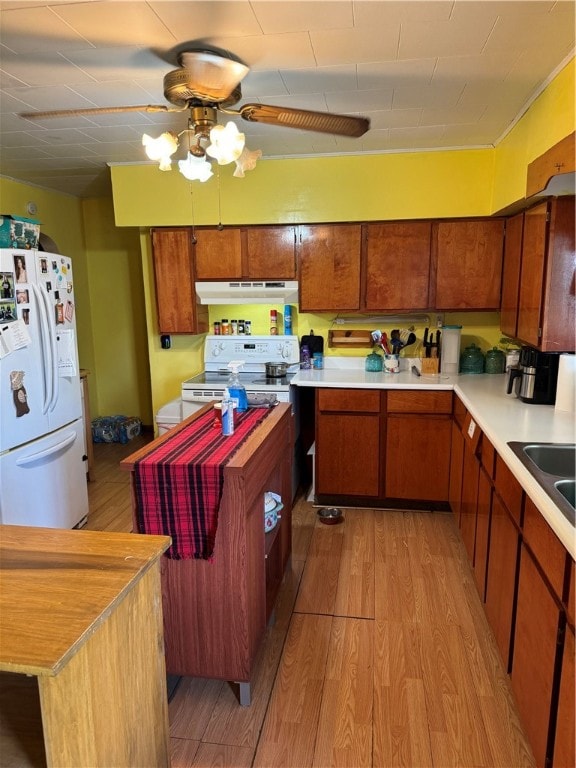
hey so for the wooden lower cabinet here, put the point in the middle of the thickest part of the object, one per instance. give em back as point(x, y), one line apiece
point(348, 442)
point(501, 577)
point(564, 752)
point(383, 446)
point(418, 457)
point(418, 438)
point(483, 516)
point(469, 500)
point(456, 463)
point(535, 642)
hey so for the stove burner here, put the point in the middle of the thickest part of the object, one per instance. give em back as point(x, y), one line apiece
point(272, 380)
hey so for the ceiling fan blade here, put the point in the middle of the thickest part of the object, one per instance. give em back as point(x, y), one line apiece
point(97, 111)
point(305, 120)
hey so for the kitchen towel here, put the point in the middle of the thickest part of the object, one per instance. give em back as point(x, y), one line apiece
point(566, 387)
point(178, 485)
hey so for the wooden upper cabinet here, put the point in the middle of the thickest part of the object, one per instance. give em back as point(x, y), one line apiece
point(398, 265)
point(330, 267)
point(511, 275)
point(271, 253)
point(248, 253)
point(532, 273)
point(468, 255)
point(547, 303)
point(218, 253)
point(177, 307)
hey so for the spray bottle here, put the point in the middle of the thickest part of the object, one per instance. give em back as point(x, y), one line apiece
point(236, 388)
point(227, 414)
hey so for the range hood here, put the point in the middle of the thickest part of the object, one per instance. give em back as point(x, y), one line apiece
point(248, 292)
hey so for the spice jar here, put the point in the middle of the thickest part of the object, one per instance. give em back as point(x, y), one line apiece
point(495, 361)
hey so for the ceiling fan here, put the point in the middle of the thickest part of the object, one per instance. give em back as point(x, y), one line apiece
point(207, 82)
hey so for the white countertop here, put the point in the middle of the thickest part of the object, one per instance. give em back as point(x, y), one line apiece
point(501, 417)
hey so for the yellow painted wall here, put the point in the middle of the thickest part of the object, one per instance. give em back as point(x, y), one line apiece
point(352, 188)
point(118, 314)
point(550, 118)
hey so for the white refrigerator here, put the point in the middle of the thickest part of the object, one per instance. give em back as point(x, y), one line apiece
point(42, 460)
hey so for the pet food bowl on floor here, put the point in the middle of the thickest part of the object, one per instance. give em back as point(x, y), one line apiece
point(330, 515)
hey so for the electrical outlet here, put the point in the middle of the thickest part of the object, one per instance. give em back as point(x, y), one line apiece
point(439, 321)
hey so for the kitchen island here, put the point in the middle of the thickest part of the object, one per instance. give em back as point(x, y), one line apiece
point(216, 609)
point(82, 680)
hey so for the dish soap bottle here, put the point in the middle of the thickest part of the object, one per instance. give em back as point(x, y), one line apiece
point(236, 389)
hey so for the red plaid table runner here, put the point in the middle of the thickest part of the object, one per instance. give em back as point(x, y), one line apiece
point(178, 485)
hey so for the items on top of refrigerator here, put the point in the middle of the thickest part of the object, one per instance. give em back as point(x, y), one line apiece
point(18, 232)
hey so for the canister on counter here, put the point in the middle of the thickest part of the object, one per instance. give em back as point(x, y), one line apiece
point(495, 361)
point(318, 361)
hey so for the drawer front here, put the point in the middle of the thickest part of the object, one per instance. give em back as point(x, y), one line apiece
point(546, 547)
point(416, 401)
point(349, 400)
point(509, 490)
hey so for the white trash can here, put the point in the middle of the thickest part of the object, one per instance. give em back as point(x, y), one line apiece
point(169, 415)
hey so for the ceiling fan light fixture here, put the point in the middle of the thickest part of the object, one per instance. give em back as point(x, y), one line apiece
point(195, 168)
point(227, 143)
point(247, 161)
point(161, 149)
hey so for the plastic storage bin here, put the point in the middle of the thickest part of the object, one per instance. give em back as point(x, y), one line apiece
point(169, 415)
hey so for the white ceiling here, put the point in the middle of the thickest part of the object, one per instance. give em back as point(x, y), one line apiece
point(429, 74)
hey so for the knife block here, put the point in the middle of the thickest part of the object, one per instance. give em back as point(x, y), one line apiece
point(429, 365)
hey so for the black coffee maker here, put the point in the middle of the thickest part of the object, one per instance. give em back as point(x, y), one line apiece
point(536, 377)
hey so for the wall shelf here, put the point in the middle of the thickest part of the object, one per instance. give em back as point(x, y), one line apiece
point(350, 339)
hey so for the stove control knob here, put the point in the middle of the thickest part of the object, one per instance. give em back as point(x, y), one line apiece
point(285, 350)
point(217, 348)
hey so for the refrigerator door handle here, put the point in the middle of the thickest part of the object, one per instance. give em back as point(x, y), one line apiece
point(53, 349)
point(32, 458)
point(46, 348)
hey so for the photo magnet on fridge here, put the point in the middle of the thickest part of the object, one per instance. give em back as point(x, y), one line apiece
point(19, 393)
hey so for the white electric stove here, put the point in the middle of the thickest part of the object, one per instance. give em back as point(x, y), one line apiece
point(255, 352)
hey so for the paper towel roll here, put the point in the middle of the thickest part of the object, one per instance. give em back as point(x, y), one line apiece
point(566, 389)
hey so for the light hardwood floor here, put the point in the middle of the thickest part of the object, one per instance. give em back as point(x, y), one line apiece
point(380, 653)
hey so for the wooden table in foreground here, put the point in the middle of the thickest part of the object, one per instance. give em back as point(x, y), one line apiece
point(215, 613)
point(82, 673)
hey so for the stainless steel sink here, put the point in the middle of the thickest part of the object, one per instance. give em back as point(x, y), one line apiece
point(553, 465)
point(552, 458)
point(567, 489)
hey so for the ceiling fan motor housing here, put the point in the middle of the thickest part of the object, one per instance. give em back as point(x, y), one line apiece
point(181, 87)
